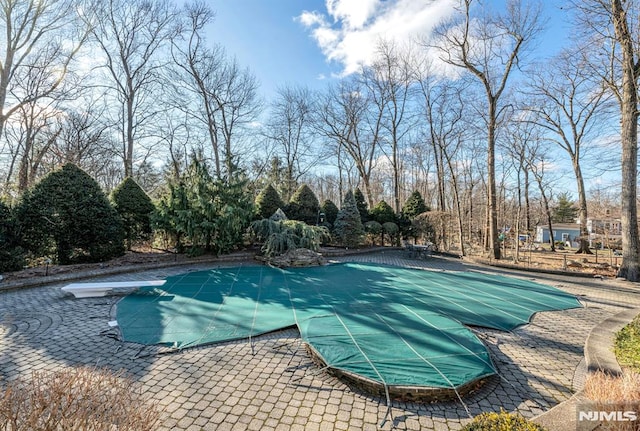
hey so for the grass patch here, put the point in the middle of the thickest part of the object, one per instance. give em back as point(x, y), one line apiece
point(627, 345)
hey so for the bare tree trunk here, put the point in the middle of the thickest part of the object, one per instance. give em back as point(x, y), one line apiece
point(456, 197)
point(491, 181)
point(630, 267)
point(128, 144)
point(582, 204)
point(527, 206)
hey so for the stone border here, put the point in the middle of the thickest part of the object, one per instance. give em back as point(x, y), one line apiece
point(599, 356)
point(422, 394)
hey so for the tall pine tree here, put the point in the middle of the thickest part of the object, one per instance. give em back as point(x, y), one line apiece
point(348, 226)
point(361, 203)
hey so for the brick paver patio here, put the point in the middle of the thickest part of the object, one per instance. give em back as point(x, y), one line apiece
point(274, 385)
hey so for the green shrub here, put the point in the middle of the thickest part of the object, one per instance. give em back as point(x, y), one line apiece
point(278, 237)
point(361, 203)
point(502, 421)
point(68, 216)
point(268, 201)
point(415, 205)
point(422, 228)
point(135, 207)
point(392, 230)
point(383, 213)
point(348, 226)
point(373, 230)
point(330, 211)
point(304, 206)
point(210, 214)
point(627, 345)
point(11, 254)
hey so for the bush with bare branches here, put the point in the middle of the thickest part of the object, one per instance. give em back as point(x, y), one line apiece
point(75, 399)
point(615, 393)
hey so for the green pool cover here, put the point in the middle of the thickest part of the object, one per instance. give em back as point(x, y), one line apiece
point(396, 326)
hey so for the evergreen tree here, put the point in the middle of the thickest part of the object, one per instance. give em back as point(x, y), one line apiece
point(212, 214)
point(383, 213)
point(330, 211)
point(11, 254)
point(135, 207)
point(565, 211)
point(361, 203)
point(166, 219)
point(348, 225)
point(304, 206)
point(66, 214)
point(415, 205)
point(268, 202)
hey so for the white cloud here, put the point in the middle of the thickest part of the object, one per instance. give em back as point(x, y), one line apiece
point(354, 14)
point(351, 29)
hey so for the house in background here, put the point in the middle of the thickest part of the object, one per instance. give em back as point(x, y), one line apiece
point(605, 231)
point(561, 232)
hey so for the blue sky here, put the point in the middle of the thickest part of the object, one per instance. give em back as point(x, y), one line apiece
point(264, 35)
point(307, 42)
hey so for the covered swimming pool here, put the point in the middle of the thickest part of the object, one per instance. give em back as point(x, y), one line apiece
point(395, 326)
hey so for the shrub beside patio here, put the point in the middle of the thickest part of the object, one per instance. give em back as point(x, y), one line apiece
point(502, 421)
point(75, 399)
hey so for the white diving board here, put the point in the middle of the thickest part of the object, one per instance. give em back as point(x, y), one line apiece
point(89, 290)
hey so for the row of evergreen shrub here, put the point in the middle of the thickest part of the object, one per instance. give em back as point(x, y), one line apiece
point(67, 217)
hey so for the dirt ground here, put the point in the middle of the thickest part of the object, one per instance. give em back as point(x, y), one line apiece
point(603, 263)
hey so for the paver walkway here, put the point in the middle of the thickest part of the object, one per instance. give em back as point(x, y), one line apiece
point(273, 385)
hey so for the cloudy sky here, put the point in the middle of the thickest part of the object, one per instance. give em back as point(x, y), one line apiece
point(308, 42)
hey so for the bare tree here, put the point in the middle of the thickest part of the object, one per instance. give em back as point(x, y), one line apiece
point(571, 105)
point(290, 128)
point(84, 140)
point(36, 34)
point(444, 113)
point(346, 118)
point(537, 167)
point(389, 81)
point(225, 94)
point(522, 145)
point(489, 46)
point(612, 25)
point(131, 34)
